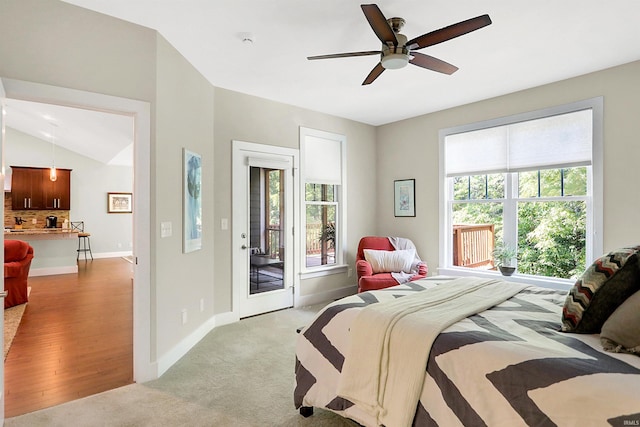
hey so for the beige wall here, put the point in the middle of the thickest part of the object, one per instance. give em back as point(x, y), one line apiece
point(51, 42)
point(184, 118)
point(414, 144)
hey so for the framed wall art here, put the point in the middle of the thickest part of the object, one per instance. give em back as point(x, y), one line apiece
point(119, 202)
point(191, 201)
point(405, 197)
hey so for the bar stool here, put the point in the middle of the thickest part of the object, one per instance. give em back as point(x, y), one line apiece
point(84, 244)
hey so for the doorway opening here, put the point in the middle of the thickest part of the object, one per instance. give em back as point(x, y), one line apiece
point(143, 369)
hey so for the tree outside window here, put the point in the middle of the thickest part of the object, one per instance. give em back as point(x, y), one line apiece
point(321, 209)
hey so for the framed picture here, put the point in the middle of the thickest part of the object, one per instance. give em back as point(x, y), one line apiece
point(405, 197)
point(119, 203)
point(191, 201)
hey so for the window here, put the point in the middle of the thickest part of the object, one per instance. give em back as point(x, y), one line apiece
point(533, 182)
point(323, 199)
point(321, 208)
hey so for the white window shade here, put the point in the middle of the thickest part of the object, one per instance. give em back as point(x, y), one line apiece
point(322, 160)
point(477, 152)
point(559, 141)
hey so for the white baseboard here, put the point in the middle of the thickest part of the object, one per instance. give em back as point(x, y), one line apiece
point(321, 297)
point(109, 254)
point(48, 271)
point(178, 351)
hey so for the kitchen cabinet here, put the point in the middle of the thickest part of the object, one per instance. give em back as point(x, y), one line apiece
point(26, 188)
point(56, 194)
point(31, 189)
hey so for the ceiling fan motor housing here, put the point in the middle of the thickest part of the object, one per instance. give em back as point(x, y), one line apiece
point(394, 57)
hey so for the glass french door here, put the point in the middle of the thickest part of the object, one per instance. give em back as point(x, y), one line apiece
point(263, 197)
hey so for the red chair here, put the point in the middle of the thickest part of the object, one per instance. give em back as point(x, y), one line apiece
point(17, 261)
point(367, 280)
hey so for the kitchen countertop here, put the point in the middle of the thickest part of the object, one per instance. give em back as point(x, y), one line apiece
point(38, 231)
point(32, 234)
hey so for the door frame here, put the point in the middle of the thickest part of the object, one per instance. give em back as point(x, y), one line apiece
point(239, 286)
point(144, 366)
point(2, 172)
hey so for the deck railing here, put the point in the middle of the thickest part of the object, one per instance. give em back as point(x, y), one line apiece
point(473, 245)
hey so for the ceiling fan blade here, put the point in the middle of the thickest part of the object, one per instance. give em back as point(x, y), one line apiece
point(448, 33)
point(431, 63)
point(379, 24)
point(374, 74)
point(345, 55)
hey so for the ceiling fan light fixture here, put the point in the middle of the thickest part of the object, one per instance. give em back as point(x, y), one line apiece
point(393, 61)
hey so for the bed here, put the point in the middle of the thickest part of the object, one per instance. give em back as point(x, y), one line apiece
point(514, 363)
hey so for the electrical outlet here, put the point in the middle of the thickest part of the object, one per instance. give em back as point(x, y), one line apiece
point(350, 272)
point(34, 221)
point(224, 223)
point(184, 316)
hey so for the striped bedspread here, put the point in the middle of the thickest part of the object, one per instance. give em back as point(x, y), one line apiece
point(508, 365)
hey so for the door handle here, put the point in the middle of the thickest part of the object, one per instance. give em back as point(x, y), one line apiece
point(4, 294)
point(243, 247)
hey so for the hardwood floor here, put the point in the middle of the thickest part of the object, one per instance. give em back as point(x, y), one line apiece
point(75, 338)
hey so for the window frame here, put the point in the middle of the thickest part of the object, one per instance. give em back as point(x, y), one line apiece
point(340, 265)
point(594, 202)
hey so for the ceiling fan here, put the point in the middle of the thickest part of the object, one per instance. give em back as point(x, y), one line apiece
point(397, 51)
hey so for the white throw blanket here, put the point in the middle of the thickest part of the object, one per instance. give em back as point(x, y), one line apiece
point(390, 343)
point(400, 244)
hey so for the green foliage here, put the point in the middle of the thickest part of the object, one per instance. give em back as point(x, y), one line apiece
point(551, 234)
point(329, 235)
point(551, 238)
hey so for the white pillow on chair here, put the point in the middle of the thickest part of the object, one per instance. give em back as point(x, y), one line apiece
point(390, 261)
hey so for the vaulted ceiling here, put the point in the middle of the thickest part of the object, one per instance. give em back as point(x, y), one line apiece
point(528, 44)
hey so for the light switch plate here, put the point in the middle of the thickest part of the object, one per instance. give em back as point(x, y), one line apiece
point(165, 229)
point(224, 223)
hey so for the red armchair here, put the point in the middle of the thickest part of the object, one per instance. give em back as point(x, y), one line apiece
point(367, 279)
point(17, 261)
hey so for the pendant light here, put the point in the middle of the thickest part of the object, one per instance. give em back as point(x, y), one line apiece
point(53, 175)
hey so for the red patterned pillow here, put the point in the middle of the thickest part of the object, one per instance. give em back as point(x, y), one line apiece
point(606, 284)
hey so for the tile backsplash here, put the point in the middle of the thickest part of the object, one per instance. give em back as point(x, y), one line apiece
point(30, 215)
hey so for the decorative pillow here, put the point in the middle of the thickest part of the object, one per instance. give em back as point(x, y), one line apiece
point(390, 261)
point(606, 284)
point(621, 332)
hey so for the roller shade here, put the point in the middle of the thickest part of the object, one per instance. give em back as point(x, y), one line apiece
point(559, 141)
point(322, 160)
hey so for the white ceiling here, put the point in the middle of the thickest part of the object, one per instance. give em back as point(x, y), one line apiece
point(527, 45)
point(104, 137)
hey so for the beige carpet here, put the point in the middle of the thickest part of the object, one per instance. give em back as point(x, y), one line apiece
point(239, 375)
point(12, 318)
